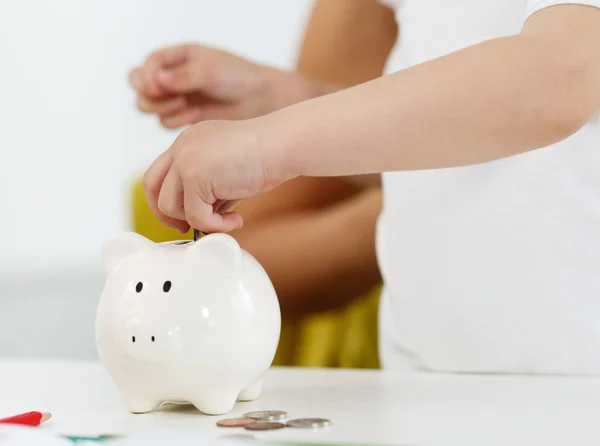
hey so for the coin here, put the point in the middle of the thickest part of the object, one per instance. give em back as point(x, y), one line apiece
point(264, 426)
point(266, 415)
point(198, 234)
point(235, 422)
point(308, 423)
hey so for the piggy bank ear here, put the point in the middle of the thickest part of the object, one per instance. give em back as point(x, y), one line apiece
point(120, 246)
point(221, 250)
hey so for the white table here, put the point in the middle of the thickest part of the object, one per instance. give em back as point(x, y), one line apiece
point(365, 406)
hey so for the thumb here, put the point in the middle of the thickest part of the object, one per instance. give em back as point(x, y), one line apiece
point(168, 57)
point(185, 78)
point(159, 60)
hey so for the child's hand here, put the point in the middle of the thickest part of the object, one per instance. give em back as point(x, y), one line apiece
point(209, 168)
point(187, 84)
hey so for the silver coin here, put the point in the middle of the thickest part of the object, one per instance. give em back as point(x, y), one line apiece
point(309, 423)
point(266, 415)
point(264, 426)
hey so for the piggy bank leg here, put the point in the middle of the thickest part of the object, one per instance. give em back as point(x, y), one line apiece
point(137, 404)
point(214, 403)
point(252, 391)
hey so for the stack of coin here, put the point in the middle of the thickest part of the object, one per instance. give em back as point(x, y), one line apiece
point(266, 420)
point(263, 420)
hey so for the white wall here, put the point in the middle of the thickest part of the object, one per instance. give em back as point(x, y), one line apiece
point(69, 134)
point(71, 140)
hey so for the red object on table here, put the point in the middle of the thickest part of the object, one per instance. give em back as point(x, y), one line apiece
point(28, 418)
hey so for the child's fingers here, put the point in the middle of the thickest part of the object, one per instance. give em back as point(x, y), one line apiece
point(226, 206)
point(190, 115)
point(143, 83)
point(136, 80)
point(200, 213)
point(152, 183)
point(169, 57)
point(151, 87)
point(182, 79)
point(159, 60)
point(163, 107)
point(170, 198)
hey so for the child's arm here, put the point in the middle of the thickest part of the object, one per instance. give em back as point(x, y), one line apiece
point(486, 102)
point(492, 100)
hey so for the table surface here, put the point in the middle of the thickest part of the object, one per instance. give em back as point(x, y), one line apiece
point(371, 407)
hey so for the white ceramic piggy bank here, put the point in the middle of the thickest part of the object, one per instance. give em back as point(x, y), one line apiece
point(186, 322)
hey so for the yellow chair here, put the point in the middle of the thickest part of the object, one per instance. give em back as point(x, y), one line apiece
point(342, 338)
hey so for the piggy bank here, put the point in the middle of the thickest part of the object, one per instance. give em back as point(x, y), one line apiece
point(185, 322)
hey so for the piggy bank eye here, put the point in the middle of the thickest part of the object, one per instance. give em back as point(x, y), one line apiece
point(139, 287)
point(167, 286)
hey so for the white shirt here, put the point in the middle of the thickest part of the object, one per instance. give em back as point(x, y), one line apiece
point(494, 267)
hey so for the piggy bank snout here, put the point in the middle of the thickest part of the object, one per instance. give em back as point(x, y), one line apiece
point(149, 342)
